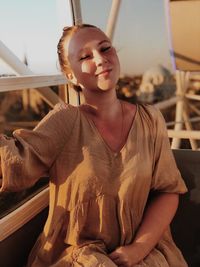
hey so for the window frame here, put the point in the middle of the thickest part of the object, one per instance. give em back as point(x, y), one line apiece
point(21, 215)
point(17, 218)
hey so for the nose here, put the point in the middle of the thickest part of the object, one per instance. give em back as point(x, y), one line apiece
point(99, 58)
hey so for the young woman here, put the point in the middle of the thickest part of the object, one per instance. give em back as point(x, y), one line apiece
point(104, 159)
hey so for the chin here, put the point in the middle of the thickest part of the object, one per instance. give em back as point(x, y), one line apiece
point(106, 86)
point(104, 89)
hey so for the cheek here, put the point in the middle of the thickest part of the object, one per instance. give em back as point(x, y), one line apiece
point(116, 59)
point(87, 67)
point(116, 63)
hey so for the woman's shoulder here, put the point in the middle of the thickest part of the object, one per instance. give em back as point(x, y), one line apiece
point(62, 109)
point(141, 108)
point(149, 111)
point(61, 115)
point(151, 117)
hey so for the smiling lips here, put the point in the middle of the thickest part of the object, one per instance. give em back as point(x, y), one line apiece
point(104, 72)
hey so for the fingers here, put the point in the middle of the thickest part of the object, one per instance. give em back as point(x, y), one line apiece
point(119, 262)
point(118, 259)
point(114, 255)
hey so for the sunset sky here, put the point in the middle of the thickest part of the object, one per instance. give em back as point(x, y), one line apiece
point(31, 27)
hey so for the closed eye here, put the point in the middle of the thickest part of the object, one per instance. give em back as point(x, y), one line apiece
point(84, 57)
point(104, 49)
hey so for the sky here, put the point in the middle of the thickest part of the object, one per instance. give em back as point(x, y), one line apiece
point(32, 28)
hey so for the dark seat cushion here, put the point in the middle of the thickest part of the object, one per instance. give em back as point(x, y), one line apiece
point(186, 224)
point(14, 250)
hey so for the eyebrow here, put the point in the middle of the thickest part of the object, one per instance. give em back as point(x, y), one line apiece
point(103, 41)
point(100, 43)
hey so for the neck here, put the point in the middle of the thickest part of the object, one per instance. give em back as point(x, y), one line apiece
point(104, 105)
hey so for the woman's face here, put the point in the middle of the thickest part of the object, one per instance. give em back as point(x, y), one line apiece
point(93, 60)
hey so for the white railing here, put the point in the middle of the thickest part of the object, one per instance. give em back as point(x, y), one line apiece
point(17, 218)
point(30, 81)
point(40, 82)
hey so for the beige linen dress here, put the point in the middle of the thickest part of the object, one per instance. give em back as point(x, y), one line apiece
point(97, 197)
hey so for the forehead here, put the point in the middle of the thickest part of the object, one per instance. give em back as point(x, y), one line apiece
point(84, 38)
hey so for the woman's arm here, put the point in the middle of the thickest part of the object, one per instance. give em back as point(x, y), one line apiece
point(158, 215)
point(29, 154)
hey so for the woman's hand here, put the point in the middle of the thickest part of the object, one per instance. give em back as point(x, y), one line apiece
point(125, 256)
point(159, 212)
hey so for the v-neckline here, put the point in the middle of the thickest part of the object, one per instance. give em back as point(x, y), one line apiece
point(94, 127)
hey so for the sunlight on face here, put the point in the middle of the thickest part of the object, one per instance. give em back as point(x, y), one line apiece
point(93, 60)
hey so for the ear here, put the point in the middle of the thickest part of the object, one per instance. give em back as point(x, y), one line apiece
point(70, 76)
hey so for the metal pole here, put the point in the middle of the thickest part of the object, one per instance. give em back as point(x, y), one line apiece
point(13, 61)
point(76, 12)
point(113, 18)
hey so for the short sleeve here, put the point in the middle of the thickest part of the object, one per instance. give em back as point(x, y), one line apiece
point(29, 154)
point(166, 176)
